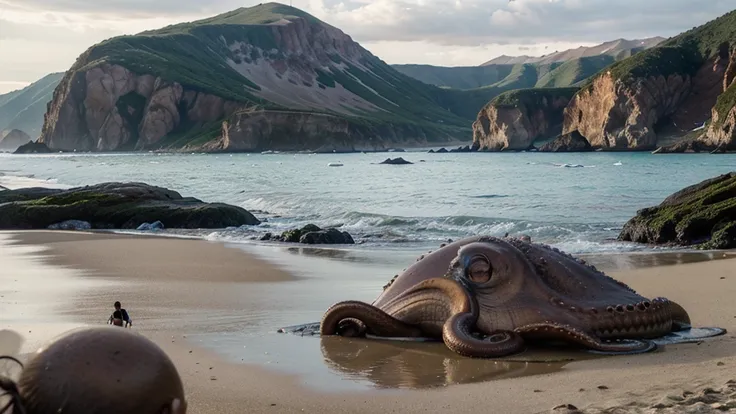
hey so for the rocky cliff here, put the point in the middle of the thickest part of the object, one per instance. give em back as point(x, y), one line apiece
point(260, 130)
point(181, 87)
point(514, 120)
point(721, 133)
point(109, 108)
point(671, 86)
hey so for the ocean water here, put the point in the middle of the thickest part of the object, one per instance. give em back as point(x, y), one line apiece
point(577, 202)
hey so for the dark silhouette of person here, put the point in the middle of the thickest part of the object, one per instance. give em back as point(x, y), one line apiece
point(119, 316)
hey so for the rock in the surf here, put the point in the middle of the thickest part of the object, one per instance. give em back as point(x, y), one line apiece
point(395, 161)
point(571, 142)
point(312, 234)
point(701, 215)
point(115, 206)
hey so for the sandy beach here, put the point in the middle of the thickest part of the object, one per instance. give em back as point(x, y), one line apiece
point(184, 294)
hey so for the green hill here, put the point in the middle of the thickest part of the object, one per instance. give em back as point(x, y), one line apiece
point(269, 57)
point(560, 69)
point(574, 71)
point(682, 54)
point(23, 109)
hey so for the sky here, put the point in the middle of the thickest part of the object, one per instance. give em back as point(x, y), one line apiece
point(38, 37)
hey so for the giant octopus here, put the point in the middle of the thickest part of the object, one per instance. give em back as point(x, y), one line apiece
point(489, 296)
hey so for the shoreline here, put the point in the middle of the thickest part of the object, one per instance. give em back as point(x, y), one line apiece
point(183, 313)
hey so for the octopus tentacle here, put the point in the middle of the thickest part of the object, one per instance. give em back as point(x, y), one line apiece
point(346, 318)
point(458, 329)
point(594, 344)
point(680, 317)
point(457, 334)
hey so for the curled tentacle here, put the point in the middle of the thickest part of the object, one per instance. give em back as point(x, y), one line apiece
point(460, 318)
point(347, 317)
point(592, 343)
point(458, 336)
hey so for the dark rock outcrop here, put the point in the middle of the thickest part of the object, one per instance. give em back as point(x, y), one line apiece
point(395, 161)
point(115, 206)
point(570, 142)
point(702, 215)
point(686, 146)
point(33, 148)
point(312, 234)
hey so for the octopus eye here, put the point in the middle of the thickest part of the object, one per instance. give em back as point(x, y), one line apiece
point(479, 269)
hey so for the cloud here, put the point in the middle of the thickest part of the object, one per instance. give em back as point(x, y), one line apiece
point(446, 22)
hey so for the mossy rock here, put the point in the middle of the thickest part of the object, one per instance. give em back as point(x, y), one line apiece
point(702, 215)
point(115, 206)
point(293, 236)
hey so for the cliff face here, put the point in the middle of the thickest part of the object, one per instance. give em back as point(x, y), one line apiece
point(612, 114)
point(721, 133)
point(669, 89)
point(109, 108)
point(516, 119)
point(247, 131)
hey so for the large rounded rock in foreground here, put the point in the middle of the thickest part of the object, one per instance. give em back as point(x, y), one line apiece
point(703, 214)
point(115, 206)
point(101, 370)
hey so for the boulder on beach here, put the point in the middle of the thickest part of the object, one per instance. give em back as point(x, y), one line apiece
point(701, 215)
point(115, 206)
point(312, 234)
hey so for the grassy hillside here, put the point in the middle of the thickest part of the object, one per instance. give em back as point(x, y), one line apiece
point(532, 98)
point(559, 69)
point(460, 77)
point(197, 55)
point(24, 109)
point(574, 71)
point(683, 54)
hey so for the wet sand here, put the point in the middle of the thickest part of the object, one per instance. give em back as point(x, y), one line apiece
point(194, 298)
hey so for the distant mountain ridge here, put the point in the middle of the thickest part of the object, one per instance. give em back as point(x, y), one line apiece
point(559, 69)
point(23, 109)
point(618, 49)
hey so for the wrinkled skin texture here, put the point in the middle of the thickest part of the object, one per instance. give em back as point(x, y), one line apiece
point(100, 370)
point(489, 297)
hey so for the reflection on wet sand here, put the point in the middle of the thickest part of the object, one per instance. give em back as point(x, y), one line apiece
point(605, 262)
point(394, 364)
point(611, 262)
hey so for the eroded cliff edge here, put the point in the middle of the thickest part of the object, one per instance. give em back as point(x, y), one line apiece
point(515, 119)
point(674, 86)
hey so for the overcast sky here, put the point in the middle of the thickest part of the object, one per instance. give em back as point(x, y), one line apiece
point(42, 36)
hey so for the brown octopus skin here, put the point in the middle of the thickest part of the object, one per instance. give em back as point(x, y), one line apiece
point(101, 370)
point(549, 295)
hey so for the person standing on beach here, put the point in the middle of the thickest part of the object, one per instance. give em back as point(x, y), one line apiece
point(120, 315)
